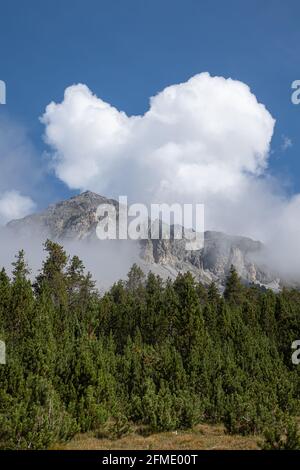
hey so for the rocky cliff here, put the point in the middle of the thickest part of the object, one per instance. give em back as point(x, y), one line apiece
point(76, 219)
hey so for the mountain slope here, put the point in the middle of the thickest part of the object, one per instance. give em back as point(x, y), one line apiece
point(75, 219)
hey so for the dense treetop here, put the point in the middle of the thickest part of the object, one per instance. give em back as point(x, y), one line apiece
point(164, 355)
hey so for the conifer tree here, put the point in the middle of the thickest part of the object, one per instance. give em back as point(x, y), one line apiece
point(234, 292)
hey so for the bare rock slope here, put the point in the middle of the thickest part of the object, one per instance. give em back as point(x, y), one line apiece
point(76, 218)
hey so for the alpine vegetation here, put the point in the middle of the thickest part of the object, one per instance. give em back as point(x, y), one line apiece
point(162, 355)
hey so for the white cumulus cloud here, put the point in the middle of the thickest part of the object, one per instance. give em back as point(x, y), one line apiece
point(203, 135)
point(206, 140)
point(14, 205)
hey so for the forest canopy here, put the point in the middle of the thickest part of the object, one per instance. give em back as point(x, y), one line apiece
point(160, 354)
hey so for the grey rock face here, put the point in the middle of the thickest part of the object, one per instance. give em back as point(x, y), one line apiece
point(76, 219)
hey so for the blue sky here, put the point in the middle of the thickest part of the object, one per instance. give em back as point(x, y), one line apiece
point(127, 51)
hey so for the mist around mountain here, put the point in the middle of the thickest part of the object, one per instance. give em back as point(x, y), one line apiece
point(73, 222)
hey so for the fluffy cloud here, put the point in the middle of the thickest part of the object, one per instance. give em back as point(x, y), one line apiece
point(14, 206)
point(200, 136)
point(205, 140)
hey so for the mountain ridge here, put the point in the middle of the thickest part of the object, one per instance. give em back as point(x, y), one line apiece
point(76, 219)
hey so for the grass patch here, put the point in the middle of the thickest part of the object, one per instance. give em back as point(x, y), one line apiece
point(202, 437)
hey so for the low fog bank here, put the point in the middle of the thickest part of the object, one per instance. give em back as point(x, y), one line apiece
point(108, 261)
point(282, 260)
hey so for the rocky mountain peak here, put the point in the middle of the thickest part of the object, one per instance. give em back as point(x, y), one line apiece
point(75, 219)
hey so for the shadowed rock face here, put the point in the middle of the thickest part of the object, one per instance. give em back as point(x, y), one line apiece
point(76, 219)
